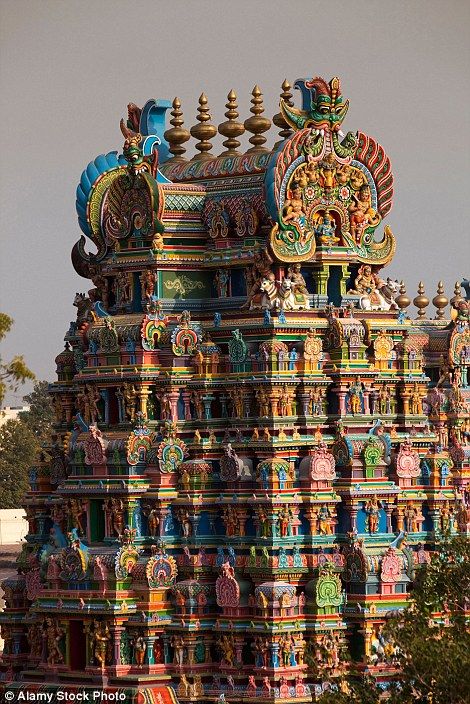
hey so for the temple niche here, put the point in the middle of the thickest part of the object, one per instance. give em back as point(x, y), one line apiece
point(256, 448)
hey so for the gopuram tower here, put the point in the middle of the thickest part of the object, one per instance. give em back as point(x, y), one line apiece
point(255, 448)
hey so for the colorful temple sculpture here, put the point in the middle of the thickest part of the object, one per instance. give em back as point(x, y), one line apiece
point(256, 448)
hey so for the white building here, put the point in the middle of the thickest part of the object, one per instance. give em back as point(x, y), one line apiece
point(11, 412)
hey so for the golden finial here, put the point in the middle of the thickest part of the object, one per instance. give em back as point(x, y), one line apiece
point(421, 301)
point(278, 119)
point(177, 135)
point(440, 301)
point(203, 131)
point(257, 124)
point(457, 297)
point(231, 128)
point(402, 300)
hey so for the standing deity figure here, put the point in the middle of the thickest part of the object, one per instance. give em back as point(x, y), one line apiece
point(362, 214)
point(221, 280)
point(445, 518)
point(153, 521)
point(416, 405)
point(410, 516)
point(140, 648)
point(115, 510)
point(373, 507)
point(178, 646)
point(148, 279)
point(129, 395)
point(99, 639)
point(384, 400)
point(94, 397)
point(198, 404)
point(53, 636)
point(75, 511)
point(186, 526)
point(327, 171)
point(34, 640)
point(123, 287)
point(284, 517)
point(324, 520)
point(355, 392)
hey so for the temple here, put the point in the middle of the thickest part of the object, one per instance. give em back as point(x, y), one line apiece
point(256, 448)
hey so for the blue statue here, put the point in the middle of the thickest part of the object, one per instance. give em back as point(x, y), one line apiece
point(217, 320)
point(293, 357)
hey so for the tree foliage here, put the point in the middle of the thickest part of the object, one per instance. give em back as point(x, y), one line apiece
point(20, 441)
point(40, 416)
point(432, 636)
point(18, 448)
point(14, 372)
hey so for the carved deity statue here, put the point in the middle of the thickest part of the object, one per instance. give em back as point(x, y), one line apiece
point(148, 279)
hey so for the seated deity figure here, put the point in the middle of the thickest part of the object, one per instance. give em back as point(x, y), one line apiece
point(297, 280)
point(325, 230)
point(294, 213)
point(366, 282)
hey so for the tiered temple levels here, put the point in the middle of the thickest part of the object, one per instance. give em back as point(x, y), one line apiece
point(255, 447)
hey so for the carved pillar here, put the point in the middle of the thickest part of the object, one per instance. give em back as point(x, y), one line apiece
point(166, 649)
point(312, 517)
point(246, 404)
point(144, 393)
point(304, 402)
point(174, 398)
point(223, 405)
point(105, 396)
point(207, 401)
point(187, 406)
point(117, 634)
point(405, 395)
point(353, 517)
point(399, 516)
point(388, 511)
point(150, 640)
point(367, 632)
point(242, 515)
point(366, 402)
point(67, 404)
point(342, 402)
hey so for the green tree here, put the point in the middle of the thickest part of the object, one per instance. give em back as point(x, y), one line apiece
point(432, 638)
point(40, 417)
point(18, 448)
point(433, 634)
point(15, 372)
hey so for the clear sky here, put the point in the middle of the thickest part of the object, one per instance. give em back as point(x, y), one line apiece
point(68, 68)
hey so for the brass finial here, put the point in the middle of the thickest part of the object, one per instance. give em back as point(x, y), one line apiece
point(421, 301)
point(231, 128)
point(177, 135)
point(402, 300)
point(278, 119)
point(457, 297)
point(440, 301)
point(257, 124)
point(203, 131)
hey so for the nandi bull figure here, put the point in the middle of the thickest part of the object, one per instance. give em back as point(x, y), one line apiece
point(279, 295)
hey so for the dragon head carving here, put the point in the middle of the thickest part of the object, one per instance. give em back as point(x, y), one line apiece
point(323, 107)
